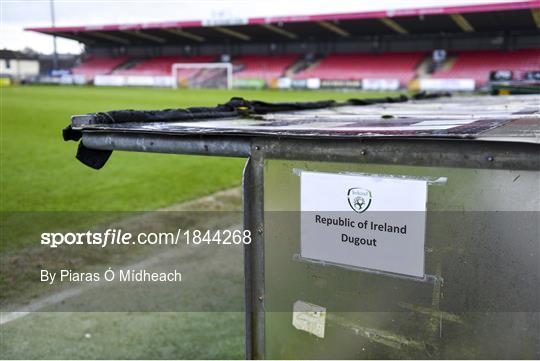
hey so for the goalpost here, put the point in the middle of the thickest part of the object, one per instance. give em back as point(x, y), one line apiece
point(196, 78)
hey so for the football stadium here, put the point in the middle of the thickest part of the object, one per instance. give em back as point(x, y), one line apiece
point(359, 184)
point(454, 48)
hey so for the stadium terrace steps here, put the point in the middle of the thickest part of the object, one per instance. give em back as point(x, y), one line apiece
point(310, 64)
point(449, 63)
point(98, 66)
point(425, 67)
point(296, 67)
point(350, 66)
point(477, 65)
point(127, 65)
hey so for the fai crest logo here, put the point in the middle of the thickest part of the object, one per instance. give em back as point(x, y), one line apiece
point(359, 199)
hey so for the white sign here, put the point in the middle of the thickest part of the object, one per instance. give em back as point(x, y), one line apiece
point(284, 83)
point(110, 80)
point(313, 83)
point(133, 80)
point(370, 222)
point(380, 84)
point(447, 84)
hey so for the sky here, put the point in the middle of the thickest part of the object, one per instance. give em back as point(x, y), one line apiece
point(15, 15)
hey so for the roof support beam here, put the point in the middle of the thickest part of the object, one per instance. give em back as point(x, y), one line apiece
point(462, 23)
point(75, 37)
point(334, 28)
point(185, 34)
point(536, 16)
point(233, 33)
point(279, 31)
point(110, 37)
point(145, 36)
point(394, 26)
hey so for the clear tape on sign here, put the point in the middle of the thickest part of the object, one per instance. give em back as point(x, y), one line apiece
point(309, 318)
point(434, 279)
point(429, 180)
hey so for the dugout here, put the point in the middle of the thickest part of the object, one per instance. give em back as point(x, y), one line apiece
point(448, 188)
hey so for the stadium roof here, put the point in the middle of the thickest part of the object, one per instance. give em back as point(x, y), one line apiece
point(523, 15)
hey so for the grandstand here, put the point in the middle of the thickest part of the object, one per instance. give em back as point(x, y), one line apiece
point(477, 65)
point(98, 65)
point(388, 48)
point(401, 66)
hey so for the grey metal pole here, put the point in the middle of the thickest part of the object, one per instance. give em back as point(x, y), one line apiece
point(55, 54)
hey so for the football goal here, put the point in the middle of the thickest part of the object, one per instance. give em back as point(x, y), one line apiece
point(202, 75)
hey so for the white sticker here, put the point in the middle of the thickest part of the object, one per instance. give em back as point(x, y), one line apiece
point(309, 318)
point(363, 221)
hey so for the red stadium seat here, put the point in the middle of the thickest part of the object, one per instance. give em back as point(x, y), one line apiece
point(265, 67)
point(98, 66)
point(365, 66)
point(478, 64)
point(161, 65)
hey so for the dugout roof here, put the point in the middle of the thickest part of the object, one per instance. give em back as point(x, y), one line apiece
point(515, 16)
point(420, 116)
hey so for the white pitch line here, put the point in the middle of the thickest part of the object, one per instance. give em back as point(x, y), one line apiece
point(53, 299)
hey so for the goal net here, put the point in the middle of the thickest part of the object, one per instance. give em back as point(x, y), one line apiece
point(202, 75)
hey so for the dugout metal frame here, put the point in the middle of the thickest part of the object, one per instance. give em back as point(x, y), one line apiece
point(515, 148)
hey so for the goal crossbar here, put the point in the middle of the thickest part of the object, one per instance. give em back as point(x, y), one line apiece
point(227, 66)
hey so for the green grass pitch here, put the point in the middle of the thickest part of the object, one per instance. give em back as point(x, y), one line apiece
point(39, 172)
